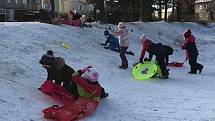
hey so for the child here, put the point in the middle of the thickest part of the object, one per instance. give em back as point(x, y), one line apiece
point(190, 46)
point(124, 42)
point(86, 104)
point(158, 51)
point(87, 83)
point(112, 41)
point(58, 72)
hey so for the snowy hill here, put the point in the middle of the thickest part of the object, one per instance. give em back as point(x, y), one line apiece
point(182, 97)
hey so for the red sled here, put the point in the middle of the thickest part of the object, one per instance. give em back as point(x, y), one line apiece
point(57, 92)
point(77, 110)
point(176, 64)
point(74, 109)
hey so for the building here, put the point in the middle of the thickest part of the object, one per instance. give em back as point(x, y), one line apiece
point(85, 7)
point(205, 10)
point(18, 10)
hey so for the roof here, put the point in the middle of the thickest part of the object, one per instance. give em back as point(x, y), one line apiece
point(202, 1)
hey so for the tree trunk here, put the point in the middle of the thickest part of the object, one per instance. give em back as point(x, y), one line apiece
point(160, 10)
point(173, 7)
point(166, 7)
point(100, 10)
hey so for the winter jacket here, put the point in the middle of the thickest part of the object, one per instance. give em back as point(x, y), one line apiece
point(168, 50)
point(60, 73)
point(190, 46)
point(153, 49)
point(114, 42)
point(124, 37)
point(86, 88)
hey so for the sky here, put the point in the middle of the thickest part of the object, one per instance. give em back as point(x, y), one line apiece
point(181, 97)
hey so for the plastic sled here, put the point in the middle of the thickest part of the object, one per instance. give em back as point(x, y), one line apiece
point(144, 71)
point(57, 92)
point(65, 45)
point(176, 64)
point(77, 110)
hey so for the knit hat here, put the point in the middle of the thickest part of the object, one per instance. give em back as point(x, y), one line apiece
point(187, 33)
point(91, 75)
point(146, 42)
point(48, 58)
point(121, 25)
point(106, 32)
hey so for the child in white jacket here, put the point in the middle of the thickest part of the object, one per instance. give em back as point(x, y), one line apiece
point(124, 41)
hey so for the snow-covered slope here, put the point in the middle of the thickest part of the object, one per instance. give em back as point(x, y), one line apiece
point(182, 97)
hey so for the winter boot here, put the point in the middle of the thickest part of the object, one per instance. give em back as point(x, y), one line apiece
point(123, 67)
point(106, 47)
point(130, 53)
point(104, 95)
point(192, 72)
point(200, 70)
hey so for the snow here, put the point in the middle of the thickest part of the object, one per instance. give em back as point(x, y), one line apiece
point(182, 97)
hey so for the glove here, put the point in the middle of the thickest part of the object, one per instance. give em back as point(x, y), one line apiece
point(131, 30)
point(141, 60)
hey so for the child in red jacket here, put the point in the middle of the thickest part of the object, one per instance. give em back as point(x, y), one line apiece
point(157, 50)
point(87, 83)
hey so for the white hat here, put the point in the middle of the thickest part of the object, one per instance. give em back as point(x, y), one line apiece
point(121, 25)
point(143, 38)
point(91, 75)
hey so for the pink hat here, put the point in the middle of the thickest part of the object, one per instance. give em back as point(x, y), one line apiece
point(91, 75)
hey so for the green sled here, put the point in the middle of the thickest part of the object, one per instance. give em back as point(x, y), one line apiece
point(144, 71)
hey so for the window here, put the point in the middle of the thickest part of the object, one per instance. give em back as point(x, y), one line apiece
point(3, 11)
point(12, 1)
point(200, 7)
